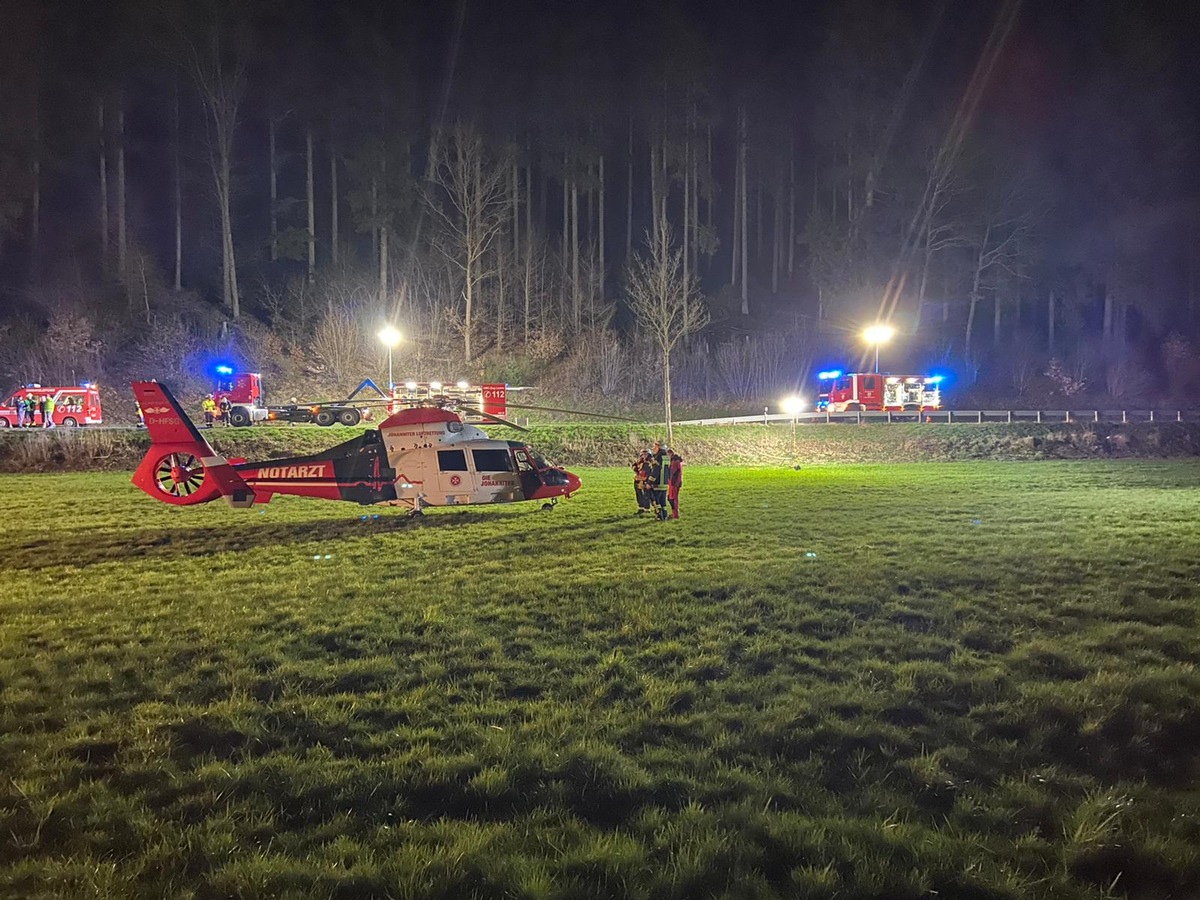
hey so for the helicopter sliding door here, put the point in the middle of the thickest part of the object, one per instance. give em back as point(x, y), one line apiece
point(454, 479)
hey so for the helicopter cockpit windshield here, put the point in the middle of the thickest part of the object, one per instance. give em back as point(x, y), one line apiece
point(530, 461)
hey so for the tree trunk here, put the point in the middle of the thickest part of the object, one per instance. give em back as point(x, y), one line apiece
point(629, 198)
point(654, 190)
point(177, 190)
point(104, 249)
point(971, 311)
point(575, 297)
point(121, 228)
point(667, 397)
point(736, 240)
point(224, 195)
point(708, 207)
point(311, 199)
point(35, 211)
point(687, 207)
point(745, 209)
point(791, 255)
point(500, 257)
point(758, 223)
point(383, 261)
point(566, 212)
point(333, 203)
point(274, 188)
point(515, 201)
point(1108, 312)
point(1051, 315)
point(600, 231)
point(528, 242)
point(997, 305)
point(375, 241)
point(777, 238)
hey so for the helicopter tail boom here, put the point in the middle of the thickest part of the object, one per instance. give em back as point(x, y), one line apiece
point(181, 467)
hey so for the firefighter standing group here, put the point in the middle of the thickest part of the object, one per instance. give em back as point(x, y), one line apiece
point(657, 479)
point(30, 408)
point(214, 411)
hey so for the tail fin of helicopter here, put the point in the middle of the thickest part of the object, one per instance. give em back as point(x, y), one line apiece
point(181, 467)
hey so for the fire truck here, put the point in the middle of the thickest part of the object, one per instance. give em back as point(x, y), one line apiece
point(488, 399)
point(73, 405)
point(873, 391)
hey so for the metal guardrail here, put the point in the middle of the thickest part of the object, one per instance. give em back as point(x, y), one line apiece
point(962, 416)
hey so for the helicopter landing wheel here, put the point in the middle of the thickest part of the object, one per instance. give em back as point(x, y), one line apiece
point(550, 504)
point(413, 513)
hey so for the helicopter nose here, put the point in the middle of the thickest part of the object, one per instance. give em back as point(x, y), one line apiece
point(573, 483)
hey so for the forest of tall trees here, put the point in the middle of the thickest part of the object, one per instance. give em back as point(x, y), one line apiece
point(1012, 187)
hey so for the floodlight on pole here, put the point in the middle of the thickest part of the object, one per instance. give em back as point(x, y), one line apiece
point(390, 337)
point(792, 406)
point(878, 334)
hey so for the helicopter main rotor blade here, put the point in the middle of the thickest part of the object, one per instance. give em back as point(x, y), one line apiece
point(484, 415)
point(573, 412)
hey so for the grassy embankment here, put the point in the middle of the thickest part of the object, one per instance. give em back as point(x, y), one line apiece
point(854, 682)
point(607, 445)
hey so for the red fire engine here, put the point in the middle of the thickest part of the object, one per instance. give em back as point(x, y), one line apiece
point(873, 391)
point(73, 405)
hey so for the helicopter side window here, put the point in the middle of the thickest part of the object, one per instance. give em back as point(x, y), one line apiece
point(452, 461)
point(492, 461)
point(523, 463)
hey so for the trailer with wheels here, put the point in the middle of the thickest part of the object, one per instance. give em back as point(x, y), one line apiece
point(244, 392)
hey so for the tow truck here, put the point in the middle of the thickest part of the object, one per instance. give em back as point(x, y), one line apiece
point(244, 392)
point(247, 405)
point(872, 391)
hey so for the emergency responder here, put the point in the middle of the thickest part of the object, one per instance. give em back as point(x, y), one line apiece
point(641, 482)
point(674, 483)
point(659, 470)
point(141, 415)
point(41, 408)
point(48, 412)
point(225, 407)
point(210, 410)
point(31, 407)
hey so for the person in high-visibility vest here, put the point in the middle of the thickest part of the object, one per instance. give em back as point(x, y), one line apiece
point(660, 463)
point(209, 406)
point(48, 414)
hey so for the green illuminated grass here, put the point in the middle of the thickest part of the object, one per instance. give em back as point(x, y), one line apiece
point(854, 682)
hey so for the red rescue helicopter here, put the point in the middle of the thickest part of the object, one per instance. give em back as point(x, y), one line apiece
point(421, 456)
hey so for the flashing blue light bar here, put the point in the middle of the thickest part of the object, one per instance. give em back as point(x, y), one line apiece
point(934, 379)
point(831, 374)
point(224, 370)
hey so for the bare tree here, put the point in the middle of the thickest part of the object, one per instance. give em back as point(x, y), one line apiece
point(473, 206)
point(667, 305)
point(215, 57)
point(1006, 222)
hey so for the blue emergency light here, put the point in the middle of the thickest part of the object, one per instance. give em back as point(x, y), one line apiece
point(830, 375)
point(934, 379)
point(224, 370)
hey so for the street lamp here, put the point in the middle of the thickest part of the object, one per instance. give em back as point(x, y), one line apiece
point(878, 334)
point(390, 338)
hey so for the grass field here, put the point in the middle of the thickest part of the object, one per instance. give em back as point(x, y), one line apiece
point(974, 679)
